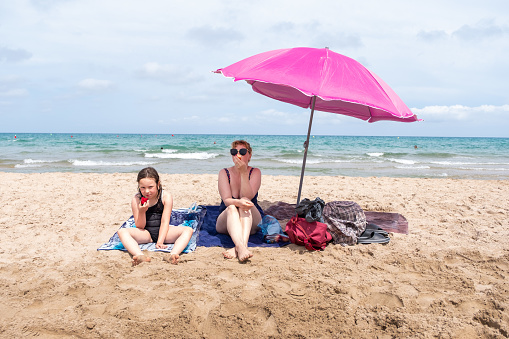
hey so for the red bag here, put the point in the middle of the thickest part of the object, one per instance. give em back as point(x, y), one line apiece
point(312, 235)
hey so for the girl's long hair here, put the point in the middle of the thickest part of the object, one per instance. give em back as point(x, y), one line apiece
point(150, 173)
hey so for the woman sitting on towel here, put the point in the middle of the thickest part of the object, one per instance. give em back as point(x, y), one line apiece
point(239, 212)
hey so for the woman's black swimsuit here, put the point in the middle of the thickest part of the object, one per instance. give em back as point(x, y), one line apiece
point(222, 206)
point(153, 216)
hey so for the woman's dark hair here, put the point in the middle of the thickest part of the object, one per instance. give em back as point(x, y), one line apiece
point(150, 173)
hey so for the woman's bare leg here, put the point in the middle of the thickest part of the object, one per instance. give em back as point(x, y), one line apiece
point(249, 220)
point(221, 227)
point(246, 221)
point(229, 223)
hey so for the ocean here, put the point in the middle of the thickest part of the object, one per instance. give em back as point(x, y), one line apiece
point(357, 156)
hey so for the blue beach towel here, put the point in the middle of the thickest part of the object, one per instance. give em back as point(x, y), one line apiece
point(191, 217)
point(209, 236)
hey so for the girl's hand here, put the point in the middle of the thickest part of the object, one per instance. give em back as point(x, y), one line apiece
point(143, 207)
point(161, 246)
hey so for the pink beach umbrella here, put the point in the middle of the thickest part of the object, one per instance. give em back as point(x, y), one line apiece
point(322, 80)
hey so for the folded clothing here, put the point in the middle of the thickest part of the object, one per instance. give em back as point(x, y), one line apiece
point(271, 230)
point(190, 217)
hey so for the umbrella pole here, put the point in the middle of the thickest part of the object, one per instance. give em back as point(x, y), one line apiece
point(306, 149)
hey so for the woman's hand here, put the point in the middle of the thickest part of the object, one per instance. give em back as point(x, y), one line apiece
point(240, 165)
point(244, 204)
point(161, 245)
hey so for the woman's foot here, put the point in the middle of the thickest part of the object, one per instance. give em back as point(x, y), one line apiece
point(172, 258)
point(230, 254)
point(244, 254)
point(138, 259)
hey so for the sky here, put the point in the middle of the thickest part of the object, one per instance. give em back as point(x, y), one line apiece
point(125, 66)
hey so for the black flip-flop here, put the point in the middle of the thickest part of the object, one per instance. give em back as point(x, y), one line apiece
point(372, 237)
point(375, 228)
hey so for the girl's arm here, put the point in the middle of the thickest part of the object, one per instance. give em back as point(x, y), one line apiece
point(140, 219)
point(165, 219)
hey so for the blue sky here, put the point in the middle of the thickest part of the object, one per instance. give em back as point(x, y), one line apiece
point(145, 66)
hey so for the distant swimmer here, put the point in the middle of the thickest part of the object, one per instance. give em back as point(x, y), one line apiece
point(415, 146)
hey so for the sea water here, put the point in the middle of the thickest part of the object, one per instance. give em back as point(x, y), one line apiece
point(358, 156)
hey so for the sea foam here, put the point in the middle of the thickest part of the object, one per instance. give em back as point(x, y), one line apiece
point(193, 156)
point(91, 163)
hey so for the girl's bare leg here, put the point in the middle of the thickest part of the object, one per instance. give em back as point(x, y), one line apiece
point(130, 238)
point(179, 236)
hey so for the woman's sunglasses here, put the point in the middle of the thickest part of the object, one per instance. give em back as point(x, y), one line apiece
point(242, 151)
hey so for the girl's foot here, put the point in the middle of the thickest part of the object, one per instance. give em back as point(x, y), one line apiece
point(230, 254)
point(138, 259)
point(172, 258)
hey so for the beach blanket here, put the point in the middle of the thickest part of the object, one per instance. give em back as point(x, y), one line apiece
point(209, 236)
point(390, 222)
point(192, 217)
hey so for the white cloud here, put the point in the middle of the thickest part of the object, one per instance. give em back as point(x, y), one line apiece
point(460, 112)
point(481, 30)
point(431, 36)
point(484, 29)
point(14, 54)
point(17, 92)
point(95, 84)
point(168, 74)
point(214, 36)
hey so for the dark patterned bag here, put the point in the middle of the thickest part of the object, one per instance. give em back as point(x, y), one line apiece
point(345, 220)
point(311, 210)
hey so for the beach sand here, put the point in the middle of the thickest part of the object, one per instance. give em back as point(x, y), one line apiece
point(448, 278)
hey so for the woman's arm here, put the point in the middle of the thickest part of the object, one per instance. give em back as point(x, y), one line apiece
point(139, 212)
point(250, 188)
point(224, 188)
point(165, 219)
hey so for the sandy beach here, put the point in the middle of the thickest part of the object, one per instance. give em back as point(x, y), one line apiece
point(448, 278)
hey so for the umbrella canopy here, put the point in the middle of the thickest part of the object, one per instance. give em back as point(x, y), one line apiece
point(322, 80)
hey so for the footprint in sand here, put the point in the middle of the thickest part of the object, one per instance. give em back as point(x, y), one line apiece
point(296, 290)
point(386, 299)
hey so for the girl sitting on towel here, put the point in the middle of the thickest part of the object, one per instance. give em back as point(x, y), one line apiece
point(239, 212)
point(152, 208)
